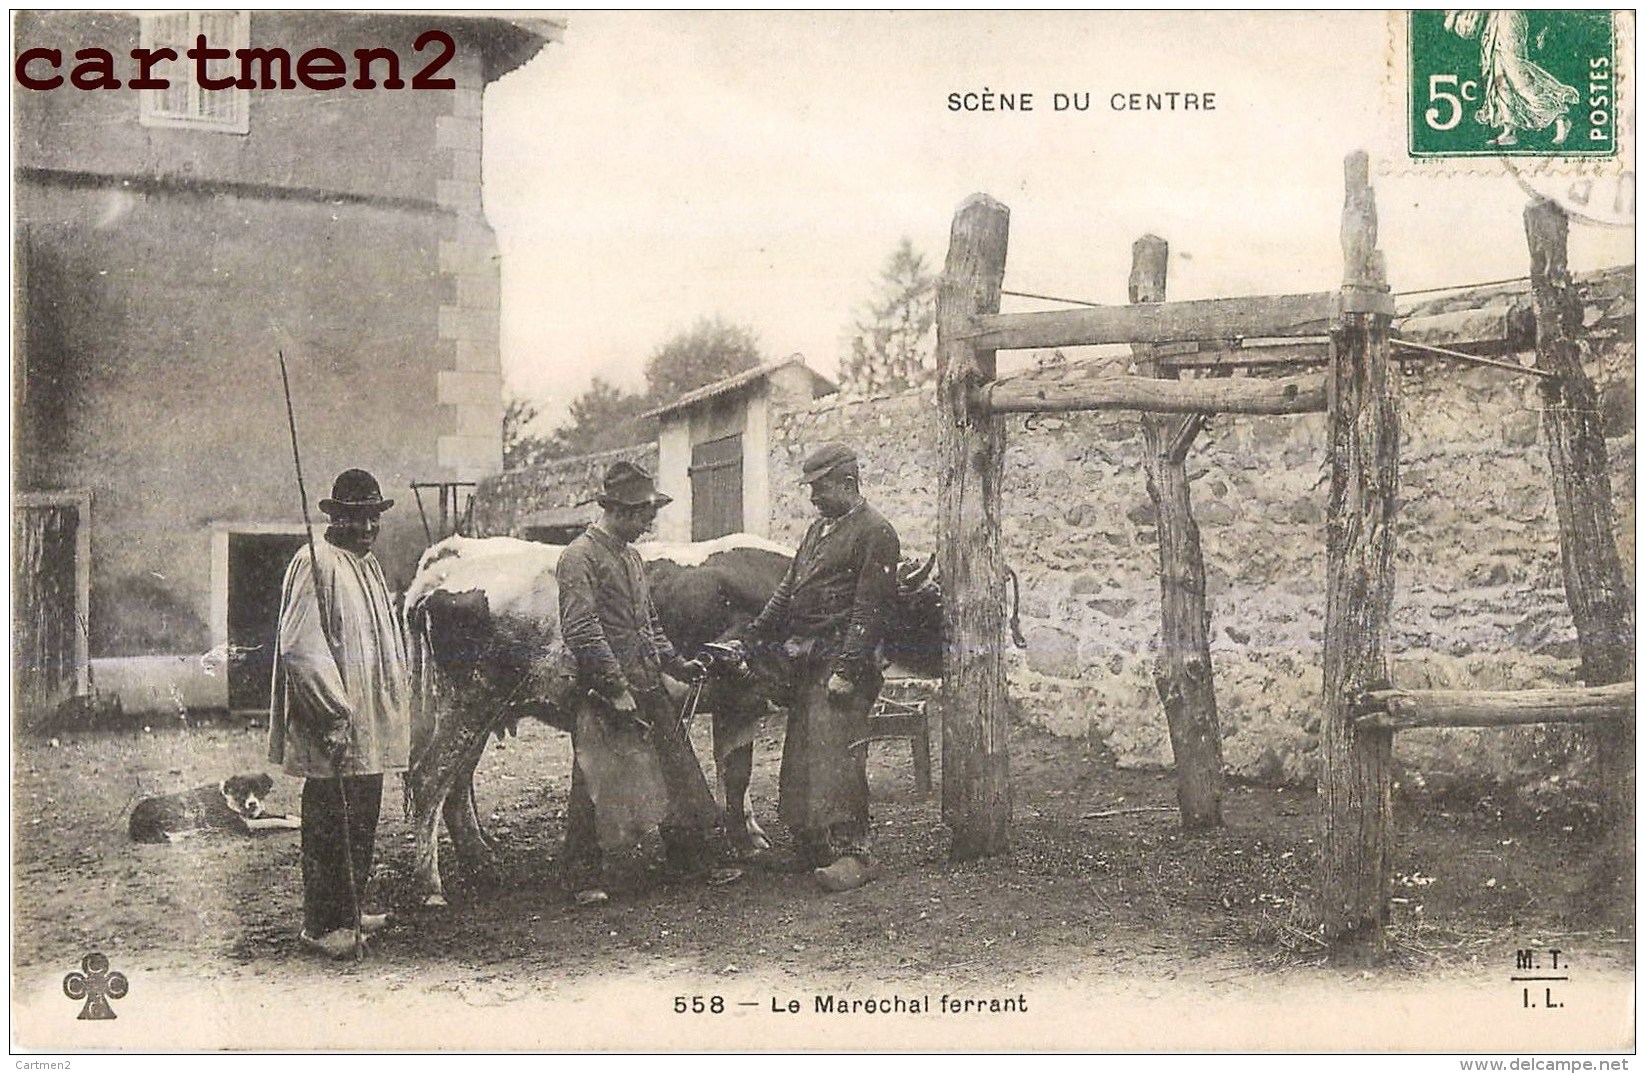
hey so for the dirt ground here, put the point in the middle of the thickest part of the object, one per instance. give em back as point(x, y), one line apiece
point(1084, 907)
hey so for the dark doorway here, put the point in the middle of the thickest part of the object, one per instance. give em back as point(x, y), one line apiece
point(256, 567)
point(717, 487)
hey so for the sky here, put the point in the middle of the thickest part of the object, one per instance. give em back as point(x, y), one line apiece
point(655, 168)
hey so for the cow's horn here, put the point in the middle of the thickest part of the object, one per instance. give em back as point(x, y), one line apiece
point(917, 579)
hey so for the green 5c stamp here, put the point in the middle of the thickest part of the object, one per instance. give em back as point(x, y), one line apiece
point(1512, 83)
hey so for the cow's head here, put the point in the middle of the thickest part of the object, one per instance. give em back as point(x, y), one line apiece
point(914, 636)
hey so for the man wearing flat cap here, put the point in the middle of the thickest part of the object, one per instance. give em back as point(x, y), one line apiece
point(627, 731)
point(825, 621)
point(340, 712)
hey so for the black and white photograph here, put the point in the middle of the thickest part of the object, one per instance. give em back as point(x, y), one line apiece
point(823, 532)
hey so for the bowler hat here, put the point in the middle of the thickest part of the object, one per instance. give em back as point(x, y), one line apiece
point(828, 459)
point(627, 485)
point(355, 490)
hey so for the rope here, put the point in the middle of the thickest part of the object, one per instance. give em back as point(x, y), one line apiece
point(1052, 298)
point(1417, 291)
point(1464, 286)
point(1477, 359)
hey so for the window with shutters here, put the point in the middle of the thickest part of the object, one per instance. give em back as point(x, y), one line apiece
point(185, 103)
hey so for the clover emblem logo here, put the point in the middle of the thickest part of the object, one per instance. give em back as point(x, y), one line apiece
point(96, 984)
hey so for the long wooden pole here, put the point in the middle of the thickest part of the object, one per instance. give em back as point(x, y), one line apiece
point(320, 610)
point(1400, 709)
point(1182, 664)
point(1161, 322)
point(1596, 586)
point(976, 785)
point(1355, 786)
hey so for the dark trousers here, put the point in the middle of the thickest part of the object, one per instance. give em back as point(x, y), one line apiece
point(326, 901)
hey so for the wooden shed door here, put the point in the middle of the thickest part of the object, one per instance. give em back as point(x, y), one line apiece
point(717, 487)
point(48, 626)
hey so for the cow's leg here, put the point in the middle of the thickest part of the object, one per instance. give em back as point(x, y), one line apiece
point(432, 779)
point(468, 838)
point(474, 815)
point(422, 782)
point(741, 824)
point(734, 763)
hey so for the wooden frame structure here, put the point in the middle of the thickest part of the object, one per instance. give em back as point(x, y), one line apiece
point(1361, 710)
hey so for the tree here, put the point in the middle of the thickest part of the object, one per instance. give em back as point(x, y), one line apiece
point(711, 350)
point(521, 448)
point(895, 345)
point(606, 416)
point(602, 418)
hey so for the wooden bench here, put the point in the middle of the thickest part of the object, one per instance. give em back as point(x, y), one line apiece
point(900, 713)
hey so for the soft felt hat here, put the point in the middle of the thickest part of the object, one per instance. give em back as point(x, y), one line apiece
point(828, 459)
point(355, 490)
point(627, 485)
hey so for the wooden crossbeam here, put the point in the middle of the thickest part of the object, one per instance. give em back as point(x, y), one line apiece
point(1231, 355)
point(1402, 709)
point(1158, 322)
point(1082, 388)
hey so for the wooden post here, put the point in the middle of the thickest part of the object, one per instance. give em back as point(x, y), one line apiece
point(1596, 586)
point(976, 787)
point(1356, 762)
point(1182, 668)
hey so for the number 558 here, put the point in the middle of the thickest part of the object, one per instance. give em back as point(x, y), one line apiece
point(1438, 95)
point(699, 1004)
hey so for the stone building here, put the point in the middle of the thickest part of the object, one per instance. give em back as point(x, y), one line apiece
point(168, 243)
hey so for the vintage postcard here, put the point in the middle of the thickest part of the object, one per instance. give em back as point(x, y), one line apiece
point(823, 531)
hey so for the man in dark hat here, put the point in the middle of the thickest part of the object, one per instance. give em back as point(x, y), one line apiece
point(634, 762)
point(340, 713)
point(825, 622)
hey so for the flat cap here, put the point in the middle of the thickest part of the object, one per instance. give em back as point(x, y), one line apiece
point(828, 459)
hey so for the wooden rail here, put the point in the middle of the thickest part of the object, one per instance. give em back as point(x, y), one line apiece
point(1082, 388)
point(1398, 710)
point(1230, 355)
point(1158, 322)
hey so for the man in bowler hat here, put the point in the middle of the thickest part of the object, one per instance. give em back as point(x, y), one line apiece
point(825, 622)
point(610, 627)
point(340, 711)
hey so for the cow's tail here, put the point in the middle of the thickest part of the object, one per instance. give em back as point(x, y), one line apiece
point(425, 691)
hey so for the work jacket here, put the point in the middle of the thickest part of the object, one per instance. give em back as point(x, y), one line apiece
point(607, 618)
point(836, 598)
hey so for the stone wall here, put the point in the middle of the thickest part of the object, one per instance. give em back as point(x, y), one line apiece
point(1479, 600)
point(516, 501)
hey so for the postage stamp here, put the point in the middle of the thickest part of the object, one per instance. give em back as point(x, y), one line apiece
point(485, 571)
point(1512, 83)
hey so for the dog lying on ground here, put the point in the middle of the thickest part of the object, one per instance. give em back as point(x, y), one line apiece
point(234, 805)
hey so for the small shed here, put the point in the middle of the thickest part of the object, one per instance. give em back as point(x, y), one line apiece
point(714, 449)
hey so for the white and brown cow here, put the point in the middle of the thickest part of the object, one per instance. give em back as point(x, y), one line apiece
point(483, 615)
